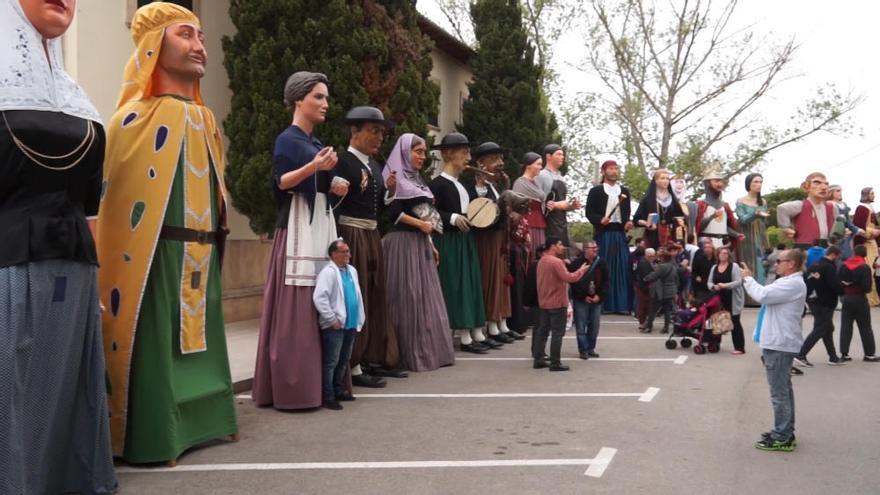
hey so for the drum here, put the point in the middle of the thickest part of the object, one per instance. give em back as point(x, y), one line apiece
point(483, 213)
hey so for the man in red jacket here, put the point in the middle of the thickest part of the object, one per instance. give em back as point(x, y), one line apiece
point(553, 280)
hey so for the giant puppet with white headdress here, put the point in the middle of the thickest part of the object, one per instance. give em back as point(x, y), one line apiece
point(160, 236)
point(54, 424)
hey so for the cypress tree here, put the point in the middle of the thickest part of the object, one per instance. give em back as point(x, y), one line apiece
point(505, 102)
point(372, 52)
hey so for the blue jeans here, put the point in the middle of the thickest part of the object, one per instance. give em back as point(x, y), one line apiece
point(336, 350)
point(586, 324)
point(778, 366)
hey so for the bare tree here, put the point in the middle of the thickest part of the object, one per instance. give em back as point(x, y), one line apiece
point(686, 86)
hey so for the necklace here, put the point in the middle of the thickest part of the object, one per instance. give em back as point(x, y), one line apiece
point(34, 156)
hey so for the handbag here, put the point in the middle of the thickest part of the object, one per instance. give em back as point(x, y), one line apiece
point(721, 322)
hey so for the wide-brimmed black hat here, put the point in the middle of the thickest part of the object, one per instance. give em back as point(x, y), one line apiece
point(452, 140)
point(487, 148)
point(367, 114)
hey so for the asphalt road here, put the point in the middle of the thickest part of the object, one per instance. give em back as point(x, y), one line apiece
point(695, 434)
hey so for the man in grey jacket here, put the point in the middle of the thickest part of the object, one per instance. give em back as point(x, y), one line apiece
point(664, 287)
point(779, 332)
point(340, 307)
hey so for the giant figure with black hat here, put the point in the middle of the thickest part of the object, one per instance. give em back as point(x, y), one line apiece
point(459, 264)
point(558, 206)
point(492, 246)
point(357, 212)
point(608, 209)
point(714, 218)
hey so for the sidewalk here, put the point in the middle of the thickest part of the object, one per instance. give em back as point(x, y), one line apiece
point(241, 344)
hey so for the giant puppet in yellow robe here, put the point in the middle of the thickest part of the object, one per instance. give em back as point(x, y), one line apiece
point(158, 233)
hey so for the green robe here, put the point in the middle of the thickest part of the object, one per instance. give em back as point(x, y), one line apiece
point(177, 401)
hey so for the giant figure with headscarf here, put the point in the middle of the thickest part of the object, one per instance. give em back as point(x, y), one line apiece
point(160, 237)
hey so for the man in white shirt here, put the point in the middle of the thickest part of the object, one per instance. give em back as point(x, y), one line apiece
point(779, 333)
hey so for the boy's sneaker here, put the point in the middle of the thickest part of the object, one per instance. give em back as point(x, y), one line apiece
point(803, 362)
point(767, 434)
point(835, 361)
point(767, 443)
point(872, 359)
point(796, 372)
point(844, 358)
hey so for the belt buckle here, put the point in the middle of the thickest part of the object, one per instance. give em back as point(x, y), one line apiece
point(202, 236)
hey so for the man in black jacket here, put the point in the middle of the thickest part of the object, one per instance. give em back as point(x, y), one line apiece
point(823, 289)
point(586, 298)
point(855, 279)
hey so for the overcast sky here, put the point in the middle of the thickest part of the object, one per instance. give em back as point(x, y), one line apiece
point(838, 42)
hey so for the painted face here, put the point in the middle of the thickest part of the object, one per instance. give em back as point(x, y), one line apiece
point(183, 54)
point(837, 195)
point(717, 185)
point(612, 172)
point(492, 163)
point(368, 138)
point(50, 18)
point(679, 186)
point(817, 186)
point(534, 168)
point(556, 159)
point(662, 180)
point(314, 106)
point(417, 155)
point(756, 184)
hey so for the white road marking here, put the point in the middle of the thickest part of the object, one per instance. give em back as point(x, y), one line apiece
point(596, 466)
point(678, 360)
point(645, 396)
point(634, 337)
point(649, 394)
point(600, 462)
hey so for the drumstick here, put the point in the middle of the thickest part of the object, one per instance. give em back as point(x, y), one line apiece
point(470, 218)
point(475, 169)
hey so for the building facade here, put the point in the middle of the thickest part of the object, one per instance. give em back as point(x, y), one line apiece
point(97, 47)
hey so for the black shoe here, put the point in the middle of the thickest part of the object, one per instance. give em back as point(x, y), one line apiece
point(796, 372)
point(871, 359)
point(803, 362)
point(491, 344)
point(844, 358)
point(474, 349)
point(559, 367)
point(501, 339)
point(584, 356)
point(345, 397)
point(592, 354)
point(515, 335)
point(389, 372)
point(540, 364)
point(365, 380)
point(332, 404)
point(835, 361)
point(768, 434)
point(665, 330)
point(646, 330)
point(776, 445)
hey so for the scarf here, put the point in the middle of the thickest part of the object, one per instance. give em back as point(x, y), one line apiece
point(409, 182)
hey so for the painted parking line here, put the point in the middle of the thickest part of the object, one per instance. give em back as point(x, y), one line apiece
point(646, 396)
point(595, 467)
point(634, 337)
point(679, 360)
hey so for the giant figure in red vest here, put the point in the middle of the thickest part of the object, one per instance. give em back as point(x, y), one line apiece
point(809, 219)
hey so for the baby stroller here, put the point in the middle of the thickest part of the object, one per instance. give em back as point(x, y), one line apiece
point(694, 323)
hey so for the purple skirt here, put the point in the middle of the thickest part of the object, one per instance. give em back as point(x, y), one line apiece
point(415, 302)
point(288, 369)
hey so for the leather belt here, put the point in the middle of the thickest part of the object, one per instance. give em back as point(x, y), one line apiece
point(170, 233)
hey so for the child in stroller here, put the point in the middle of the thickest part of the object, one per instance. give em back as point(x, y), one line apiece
point(692, 322)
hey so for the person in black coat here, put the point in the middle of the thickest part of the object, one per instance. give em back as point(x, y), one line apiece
point(703, 261)
point(823, 288)
point(644, 267)
point(855, 280)
point(586, 298)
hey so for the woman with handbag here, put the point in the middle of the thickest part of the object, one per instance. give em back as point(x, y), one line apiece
point(726, 279)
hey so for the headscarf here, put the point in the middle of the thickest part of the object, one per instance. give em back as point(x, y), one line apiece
point(749, 179)
point(148, 30)
point(409, 182)
point(299, 85)
point(651, 195)
point(30, 81)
